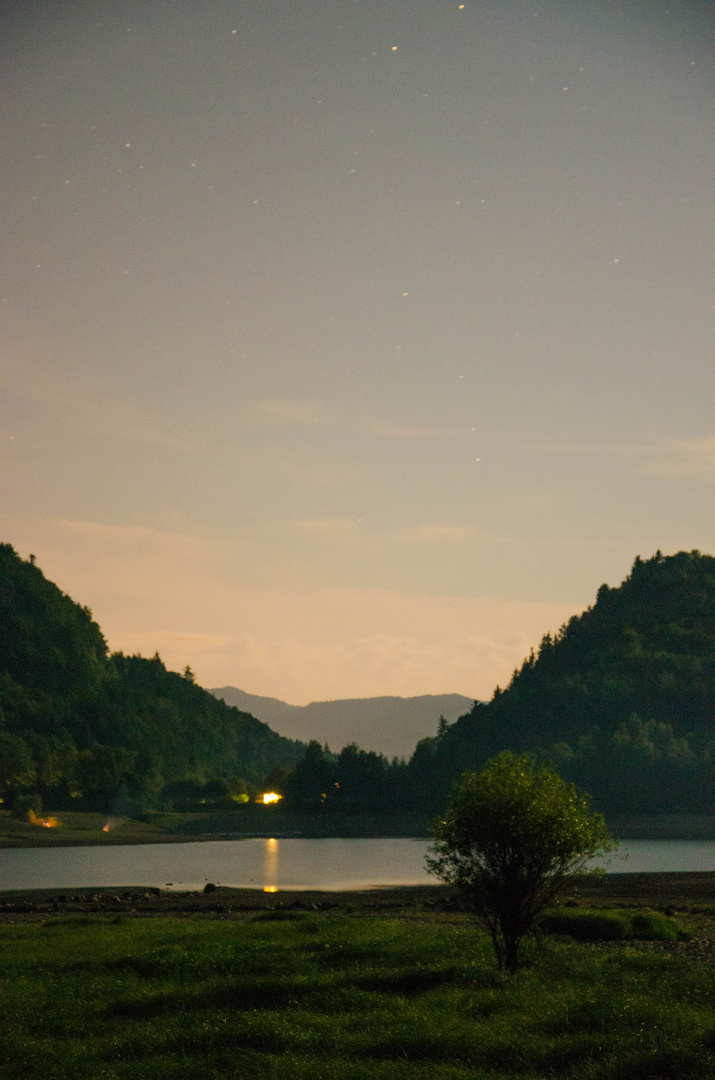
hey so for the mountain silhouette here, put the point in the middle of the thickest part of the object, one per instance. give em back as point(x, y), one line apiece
point(389, 725)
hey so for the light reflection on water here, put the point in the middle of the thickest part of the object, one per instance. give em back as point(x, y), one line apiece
point(275, 864)
point(270, 866)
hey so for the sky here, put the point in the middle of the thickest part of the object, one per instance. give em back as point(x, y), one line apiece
point(350, 345)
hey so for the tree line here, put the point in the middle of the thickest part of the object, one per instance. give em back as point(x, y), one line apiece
point(82, 729)
point(621, 701)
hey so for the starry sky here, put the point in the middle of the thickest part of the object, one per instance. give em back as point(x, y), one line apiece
point(350, 345)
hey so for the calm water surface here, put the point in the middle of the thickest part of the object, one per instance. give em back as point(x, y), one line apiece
point(283, 864)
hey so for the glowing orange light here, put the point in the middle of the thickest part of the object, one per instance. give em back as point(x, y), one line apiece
point(270, 797)
point(48, 822)
point(270, 888)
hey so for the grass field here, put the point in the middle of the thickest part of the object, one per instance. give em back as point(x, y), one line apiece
point(289, 994)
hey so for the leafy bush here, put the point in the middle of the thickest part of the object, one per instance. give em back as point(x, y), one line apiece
point(514, 837)
point(651, 926)
point(587, 925)
point(618, 925)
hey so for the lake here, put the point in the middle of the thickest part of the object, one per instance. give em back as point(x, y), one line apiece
point(274, 865)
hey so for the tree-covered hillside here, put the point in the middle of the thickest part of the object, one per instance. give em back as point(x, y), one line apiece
point(81, 728)
point(622, 699)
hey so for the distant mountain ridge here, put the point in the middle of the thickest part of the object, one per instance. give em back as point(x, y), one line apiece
point(389, 725)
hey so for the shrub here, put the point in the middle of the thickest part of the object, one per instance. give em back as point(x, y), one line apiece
point(587, 925)
point(610, 925)
point(651, 926)
point(513, 838)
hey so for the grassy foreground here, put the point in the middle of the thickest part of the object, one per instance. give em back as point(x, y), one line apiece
point(289, 994)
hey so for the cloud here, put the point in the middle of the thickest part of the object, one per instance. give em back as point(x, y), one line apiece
point(435, 533)
point(322, 645)
point(195, 599)
point(109, 416)
point(283, 413)
point(441, 532)
point(678, 458)
point(392, 431)
point(331, 526)
point(456, 534)
point(127, 568)
point(115, 418)
point(301, 668)
point(178, 642)
point(686, 458)
point(130, 536)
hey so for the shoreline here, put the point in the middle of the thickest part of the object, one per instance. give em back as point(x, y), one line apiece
point(656, 889)
point(88, 829)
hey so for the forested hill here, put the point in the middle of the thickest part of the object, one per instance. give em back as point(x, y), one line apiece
point(78, 726)
point(622, 699)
